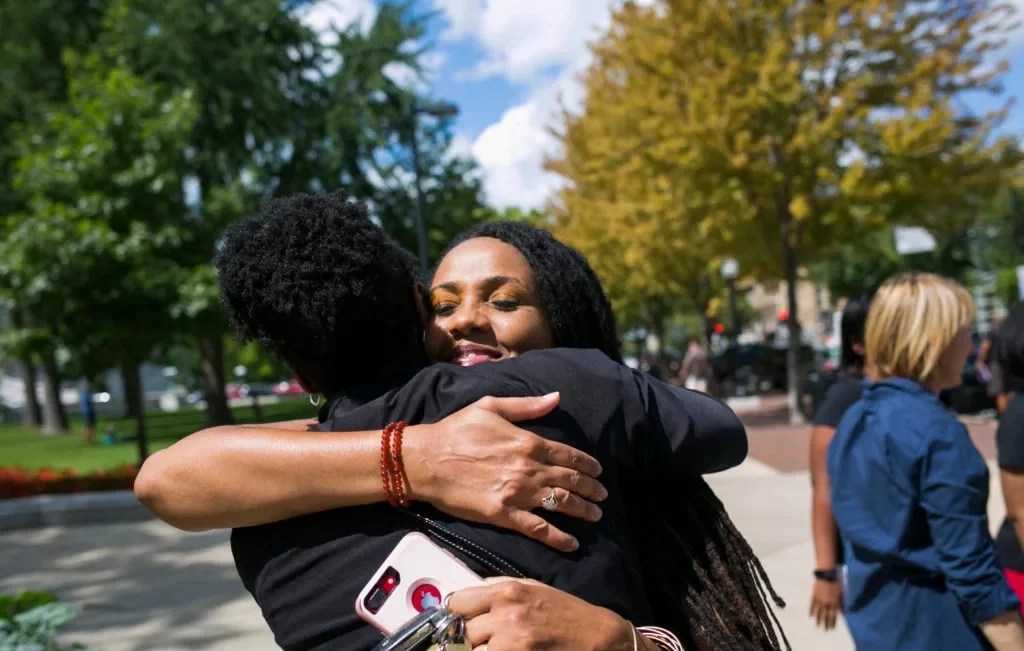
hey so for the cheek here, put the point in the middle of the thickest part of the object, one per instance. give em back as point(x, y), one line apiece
point(523, 330)
point(436, 339)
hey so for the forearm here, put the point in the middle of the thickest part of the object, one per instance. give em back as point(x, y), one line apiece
point(823, 531)
point(823, 524)
point(240, 476)
point(1005, 631)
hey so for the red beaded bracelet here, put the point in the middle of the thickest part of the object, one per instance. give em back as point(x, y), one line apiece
point(392, 468)
point(397, 465)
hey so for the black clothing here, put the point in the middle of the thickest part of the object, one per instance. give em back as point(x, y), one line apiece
point(305, 573)
point(1010, 443)
point(842, 395)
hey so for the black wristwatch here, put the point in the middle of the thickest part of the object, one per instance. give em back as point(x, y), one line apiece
point(831, 575)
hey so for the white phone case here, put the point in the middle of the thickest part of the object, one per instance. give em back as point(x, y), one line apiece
point(416, 575)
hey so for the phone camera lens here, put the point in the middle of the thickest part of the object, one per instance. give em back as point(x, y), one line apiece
point(376, 599)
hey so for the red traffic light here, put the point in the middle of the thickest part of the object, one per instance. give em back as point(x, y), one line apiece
point(719, 328)
point(783, 315)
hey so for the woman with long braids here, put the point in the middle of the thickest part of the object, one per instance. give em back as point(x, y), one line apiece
point(709, 587)
point(701, 576)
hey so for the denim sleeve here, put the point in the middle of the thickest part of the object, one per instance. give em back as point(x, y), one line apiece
point(954, 496)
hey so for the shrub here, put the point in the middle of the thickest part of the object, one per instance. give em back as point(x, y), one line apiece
point(18, 482)
point(29, 622)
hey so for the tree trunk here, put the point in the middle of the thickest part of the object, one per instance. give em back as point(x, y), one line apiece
point(32, 415)
point(135, 406)
point(132, 390)
point(211, 350)
point(793, 327)
point(55, 419)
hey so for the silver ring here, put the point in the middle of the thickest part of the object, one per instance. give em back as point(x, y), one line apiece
point(551, 502)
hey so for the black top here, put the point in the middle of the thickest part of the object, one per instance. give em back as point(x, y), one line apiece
point(841, 395)
point(305, 573)
point(1010, 443)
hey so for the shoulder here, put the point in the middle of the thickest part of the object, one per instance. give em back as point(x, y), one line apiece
point(1010, 434)
point(838, 399)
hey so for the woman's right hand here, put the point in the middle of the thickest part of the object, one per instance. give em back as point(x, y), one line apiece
point(826, 603)
point(476, 465)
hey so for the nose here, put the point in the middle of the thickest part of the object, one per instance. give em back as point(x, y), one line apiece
point(468, 317)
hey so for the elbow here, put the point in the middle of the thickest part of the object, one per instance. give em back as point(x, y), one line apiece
point(155, 487)
point(730, 445)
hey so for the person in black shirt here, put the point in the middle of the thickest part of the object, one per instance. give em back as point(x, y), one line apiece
point(1010, 446)
point(267, 551)
point(826, 596)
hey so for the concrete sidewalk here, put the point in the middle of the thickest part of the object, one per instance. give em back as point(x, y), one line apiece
point(145, 586)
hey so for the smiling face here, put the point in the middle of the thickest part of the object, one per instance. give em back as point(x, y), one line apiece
point(485, 305)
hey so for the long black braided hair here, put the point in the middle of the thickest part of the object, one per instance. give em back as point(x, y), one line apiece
point(704, 580)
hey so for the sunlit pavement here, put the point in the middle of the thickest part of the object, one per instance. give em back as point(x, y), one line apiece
point(145, 586)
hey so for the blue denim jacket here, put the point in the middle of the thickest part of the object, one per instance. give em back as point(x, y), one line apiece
point(909, 494)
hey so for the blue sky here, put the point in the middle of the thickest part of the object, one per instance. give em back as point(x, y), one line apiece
point(508, 64)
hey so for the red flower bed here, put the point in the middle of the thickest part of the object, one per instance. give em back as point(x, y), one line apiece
point(18, 482)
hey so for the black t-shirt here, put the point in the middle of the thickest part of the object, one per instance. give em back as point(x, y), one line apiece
point(306, 572)
point(838, 399)
point(1010, 444)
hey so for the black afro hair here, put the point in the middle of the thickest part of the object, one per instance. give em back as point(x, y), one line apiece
point(316, 282)
point(581, 315)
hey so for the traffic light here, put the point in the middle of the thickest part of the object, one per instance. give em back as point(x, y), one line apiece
point(719, 328)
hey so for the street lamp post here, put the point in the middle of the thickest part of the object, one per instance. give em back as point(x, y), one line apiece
point(730, 270)
point(438, 110)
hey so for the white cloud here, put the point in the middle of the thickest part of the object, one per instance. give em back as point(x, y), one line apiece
point(463, 17)
point(544, 47)
point(511, 153)
point(522, 39)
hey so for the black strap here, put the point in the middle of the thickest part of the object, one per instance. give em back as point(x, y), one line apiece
point(488, 559)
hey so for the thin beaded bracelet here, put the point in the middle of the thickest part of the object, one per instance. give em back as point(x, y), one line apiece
point(664, 638)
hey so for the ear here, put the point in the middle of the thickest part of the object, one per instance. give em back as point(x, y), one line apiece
point(420, 298)
point(858, 348)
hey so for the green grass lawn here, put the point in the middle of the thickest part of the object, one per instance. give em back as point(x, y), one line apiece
point(28, 448)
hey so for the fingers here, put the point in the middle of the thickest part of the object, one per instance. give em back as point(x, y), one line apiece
point(573, 481)
point(479, 630)
point(471, 602)
point(517, 409)
point(533, 526)
point(560, 454)
point(571, 504)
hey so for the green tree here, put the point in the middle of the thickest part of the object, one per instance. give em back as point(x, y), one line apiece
point(91, 257)
point(781, 128)
point(32, 74)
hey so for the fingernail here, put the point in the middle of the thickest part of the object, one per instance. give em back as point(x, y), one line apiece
point(573, 544)
point(553, 393)
point(604, 493)
point(599, 512)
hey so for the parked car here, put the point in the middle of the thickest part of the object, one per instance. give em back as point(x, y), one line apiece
point(749, 369)
point(288, 388)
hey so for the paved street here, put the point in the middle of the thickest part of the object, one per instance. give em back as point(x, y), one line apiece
point(145, 586)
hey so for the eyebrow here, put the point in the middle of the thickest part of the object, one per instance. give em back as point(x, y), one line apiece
point(492, 281)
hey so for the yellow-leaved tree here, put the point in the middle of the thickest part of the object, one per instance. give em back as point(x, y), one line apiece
point(767, 130)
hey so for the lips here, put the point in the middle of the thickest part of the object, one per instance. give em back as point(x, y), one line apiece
point(469, 355)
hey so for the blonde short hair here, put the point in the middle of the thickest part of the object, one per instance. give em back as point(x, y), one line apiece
point(913, 320)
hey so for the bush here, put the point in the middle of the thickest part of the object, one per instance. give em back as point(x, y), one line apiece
point(18, 482)
point(29, 622)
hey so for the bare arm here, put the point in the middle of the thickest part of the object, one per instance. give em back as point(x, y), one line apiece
point(473, 464)
point(1005, 631)
point(825, 596)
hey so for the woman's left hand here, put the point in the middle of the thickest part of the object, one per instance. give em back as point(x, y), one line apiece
point(523, 615)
